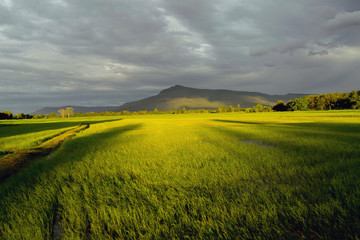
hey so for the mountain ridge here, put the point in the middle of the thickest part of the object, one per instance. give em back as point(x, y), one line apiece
point(178, 97)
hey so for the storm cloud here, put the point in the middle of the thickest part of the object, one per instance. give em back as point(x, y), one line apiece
point(107, 52)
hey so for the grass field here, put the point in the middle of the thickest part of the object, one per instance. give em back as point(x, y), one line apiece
point(25, 134)
point(292, 175)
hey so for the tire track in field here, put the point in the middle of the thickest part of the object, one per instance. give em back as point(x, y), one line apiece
point(18, 159)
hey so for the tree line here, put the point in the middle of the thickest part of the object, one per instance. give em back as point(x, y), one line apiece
point(10, 115)
point(329, 101)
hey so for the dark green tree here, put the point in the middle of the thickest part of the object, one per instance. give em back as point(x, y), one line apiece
point(279, 106)
point(7, 115)
point(20, 116)
point(52, 115)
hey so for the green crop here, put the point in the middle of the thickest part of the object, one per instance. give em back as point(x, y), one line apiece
point(292, 175)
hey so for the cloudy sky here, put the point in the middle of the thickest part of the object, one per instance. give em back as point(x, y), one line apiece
point(107, 52)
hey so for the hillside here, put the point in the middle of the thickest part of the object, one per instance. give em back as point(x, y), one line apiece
point(178, 97)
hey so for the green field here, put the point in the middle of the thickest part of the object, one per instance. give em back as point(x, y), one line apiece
point(292, 175)
point(25, 134)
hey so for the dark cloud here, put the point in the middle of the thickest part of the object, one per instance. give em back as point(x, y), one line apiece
point(288, 47)
point(259, 52)
point(344, 20)
point(92, 52)
point(292, 46)
point(314, 53)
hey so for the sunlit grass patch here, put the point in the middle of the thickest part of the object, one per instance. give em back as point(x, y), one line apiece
point(232, 176)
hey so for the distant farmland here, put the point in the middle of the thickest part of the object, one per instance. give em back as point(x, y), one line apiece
point(291, 175)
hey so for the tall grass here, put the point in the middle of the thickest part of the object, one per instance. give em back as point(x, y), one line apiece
point(229, 176)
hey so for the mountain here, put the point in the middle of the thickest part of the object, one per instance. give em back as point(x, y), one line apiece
point(178, 97)
point(77, 109)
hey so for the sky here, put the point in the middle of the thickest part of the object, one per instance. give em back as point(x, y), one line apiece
point(108, 52)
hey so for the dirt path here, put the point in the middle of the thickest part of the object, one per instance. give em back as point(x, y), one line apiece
point(18, 159)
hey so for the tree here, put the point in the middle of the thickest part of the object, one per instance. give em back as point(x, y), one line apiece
point(328, 100)
point(258, 108)
point(62, 112)
point(356, 105)
point(267, 109)
point(302, 104)
point(183, 111)
point(279, 106)
point(4, 115)
point(299, 104)
point(69, 111)
point(231, 108)
point(7, 115)
point(320, 102)
point(222, 109)
point(52, 115)
point(312, 99)
point(20, 116)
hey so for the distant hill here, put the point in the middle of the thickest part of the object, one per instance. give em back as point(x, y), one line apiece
point(77, 109)
point(178, 97)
